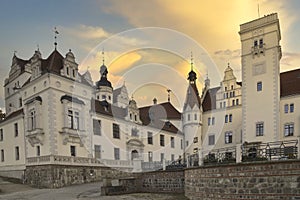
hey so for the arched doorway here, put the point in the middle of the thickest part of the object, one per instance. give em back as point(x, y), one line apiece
point(134, 154)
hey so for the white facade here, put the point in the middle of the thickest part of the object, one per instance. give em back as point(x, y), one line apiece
point(63, 118)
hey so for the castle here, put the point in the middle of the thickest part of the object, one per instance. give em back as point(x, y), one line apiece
point(55, 115)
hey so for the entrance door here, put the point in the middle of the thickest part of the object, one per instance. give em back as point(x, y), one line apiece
point(134, 154)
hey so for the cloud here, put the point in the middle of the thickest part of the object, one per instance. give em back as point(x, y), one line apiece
point(86, 32)
point(290, 60)
point(124, 62)
point(213, 24)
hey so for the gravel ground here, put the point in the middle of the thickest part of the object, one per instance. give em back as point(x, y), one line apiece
point(90, 191)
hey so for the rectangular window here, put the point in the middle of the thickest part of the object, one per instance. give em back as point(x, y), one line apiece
point(208, 121)
point(211, 140)
point(259, 86)
point(73, 150)
point(76, 120)
point(226, 118)
point(289, 129)
point(291, 107)
point(237, 102)
point(97, 151)
point(20, 102)
point(224, 104)
point(97, 127)
point(228, 137)
point(73, 119)
point(213, 120)
point(261, 43)
point(150, 156)
point(189, 117)
point(172, 142)
point(162, 157)
point(162, 140)
point(150, 138)
point(181, 144)
point(1, 134)
point(186, 143)
point(117, 153)
point(17, 153)
point(195, 139)
point(116, 131)
point(16, 129)
point(220, 104)
point(230, 118)
point(286, 108)
point(233, 102)
point(259, 129)
point(32, 120)
point(255, 43)
point(195, 117)
point(2, 155)
point(38, 150)
point(73, 72)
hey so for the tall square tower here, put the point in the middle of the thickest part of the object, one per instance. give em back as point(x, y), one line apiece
point(261, 54)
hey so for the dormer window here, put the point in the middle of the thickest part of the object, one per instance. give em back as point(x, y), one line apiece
point(74, 73)
point(68, 71)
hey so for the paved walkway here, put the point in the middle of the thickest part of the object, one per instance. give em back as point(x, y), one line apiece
point(90, 191)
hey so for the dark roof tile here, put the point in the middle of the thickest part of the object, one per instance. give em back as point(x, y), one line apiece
point(209, 101)
point(13, 114)
point(290, 83)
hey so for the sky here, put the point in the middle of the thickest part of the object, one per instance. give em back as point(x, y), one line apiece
point(148, 45)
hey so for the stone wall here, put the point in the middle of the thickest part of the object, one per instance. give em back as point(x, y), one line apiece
point(56, 176)
point(268, 180)
point(112, 181)
point(162, 182)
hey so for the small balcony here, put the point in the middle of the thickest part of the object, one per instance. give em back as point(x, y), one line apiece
point(35, 136)
point(73, 135)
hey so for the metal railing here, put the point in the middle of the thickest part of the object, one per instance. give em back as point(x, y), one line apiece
point(282, 150)
point(220, 156)
point(80, 161)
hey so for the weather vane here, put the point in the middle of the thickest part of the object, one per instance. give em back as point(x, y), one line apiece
point(103, 56)
point(192, 61)
point(169, 91)
point(55, 37)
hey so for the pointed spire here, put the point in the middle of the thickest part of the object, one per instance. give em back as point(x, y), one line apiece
point(192, 76)
point(15, 52)
point(55, 37)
